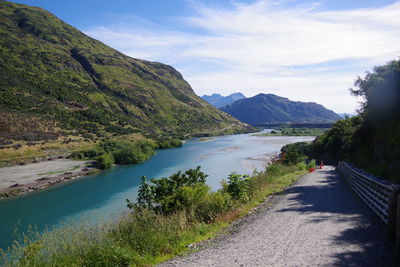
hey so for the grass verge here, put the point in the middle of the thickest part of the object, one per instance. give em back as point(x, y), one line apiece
point(147, 237)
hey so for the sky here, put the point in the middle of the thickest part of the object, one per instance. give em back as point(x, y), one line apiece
point(305, 50)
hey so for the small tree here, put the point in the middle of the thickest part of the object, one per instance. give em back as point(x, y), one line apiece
point(294, 153)
point(145, 193)
point(105, 161)
point(237, 186)
point(167, 192)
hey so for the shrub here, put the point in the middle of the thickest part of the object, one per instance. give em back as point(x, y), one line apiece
point(165, 191)
point(294, 153)
point(185, 192)
point(274, 169)
point(302, 166)
point(105, 161)
point(145, 194)
point(88, 154)
point(237, 186)
point(311, 164)
point(170, 143)
point(126, 152)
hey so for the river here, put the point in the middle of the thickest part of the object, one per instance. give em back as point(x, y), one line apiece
point(102, 197)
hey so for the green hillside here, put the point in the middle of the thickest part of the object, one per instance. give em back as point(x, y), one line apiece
point(58, 82)
point(269, 108)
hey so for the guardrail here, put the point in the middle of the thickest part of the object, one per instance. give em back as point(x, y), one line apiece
point(380, 195)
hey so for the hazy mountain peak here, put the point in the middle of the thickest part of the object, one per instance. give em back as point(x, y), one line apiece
point(219, 101)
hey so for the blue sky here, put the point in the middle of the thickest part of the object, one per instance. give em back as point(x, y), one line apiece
point(303, 50)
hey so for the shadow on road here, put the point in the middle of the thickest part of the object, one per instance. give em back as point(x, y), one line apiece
point(331, 199)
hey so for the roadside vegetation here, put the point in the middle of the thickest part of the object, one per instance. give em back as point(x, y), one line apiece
point(371, 139)
point(170, 214)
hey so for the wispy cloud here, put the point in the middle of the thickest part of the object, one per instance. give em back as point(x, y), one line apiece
point(298, 52)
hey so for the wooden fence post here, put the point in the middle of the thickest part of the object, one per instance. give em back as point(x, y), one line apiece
point(397, 245)
point(393, 214)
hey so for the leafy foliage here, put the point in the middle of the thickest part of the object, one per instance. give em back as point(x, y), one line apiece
point(132, 153)
point(105, 161)
point(171, 193)
point(237, 186)
point(169, 143)
point(371, 139)
point(311, 164)
point(336, 143)
point(294, 153)
point(119, 152)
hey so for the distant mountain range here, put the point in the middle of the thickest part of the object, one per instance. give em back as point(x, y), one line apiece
point(270, 108)
point(219, 101)
point(56, 81)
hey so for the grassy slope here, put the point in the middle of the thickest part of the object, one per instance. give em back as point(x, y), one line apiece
point(56, 81)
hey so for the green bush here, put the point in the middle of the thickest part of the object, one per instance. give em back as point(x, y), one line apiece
point(127, 152)
point(168, 192)
point(182, 192)
point(170, 143)
point(123, 152)
point(311, 164)
point(274, 169)
point(88, 154)
point(294, 153)
point(301, 166)
point(237, 186)
point(105, 161)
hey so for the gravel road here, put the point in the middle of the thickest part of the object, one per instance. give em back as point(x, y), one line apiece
point(316, 222)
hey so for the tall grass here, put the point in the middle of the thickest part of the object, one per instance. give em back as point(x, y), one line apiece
point(145, 237)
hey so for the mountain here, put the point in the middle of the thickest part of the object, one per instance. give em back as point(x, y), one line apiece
point(219, 101)
point(57, 81)
point(269, 108)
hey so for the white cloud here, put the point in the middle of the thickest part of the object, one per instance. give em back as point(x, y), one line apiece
point(300, 53)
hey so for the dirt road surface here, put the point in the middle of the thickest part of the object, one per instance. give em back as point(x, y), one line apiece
point(317, 222)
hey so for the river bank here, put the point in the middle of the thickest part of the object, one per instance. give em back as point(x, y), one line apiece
point(37, 175)
point(102, 196)
point(19, 179)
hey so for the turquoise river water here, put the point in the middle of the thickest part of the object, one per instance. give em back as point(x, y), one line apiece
point(102, 197)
